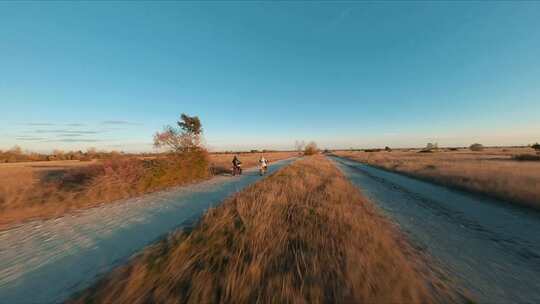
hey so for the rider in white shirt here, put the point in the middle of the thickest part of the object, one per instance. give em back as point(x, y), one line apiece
point(263, 163)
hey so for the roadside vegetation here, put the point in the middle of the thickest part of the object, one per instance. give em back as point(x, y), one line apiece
point(476, 147)
point(490, 171)
point(311, 149)
point(302, 235)
point(53, 188)
point(59, 192)
point(17, 155)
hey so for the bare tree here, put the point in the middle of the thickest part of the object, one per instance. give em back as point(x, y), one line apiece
point(299, 145)
point(184, 138)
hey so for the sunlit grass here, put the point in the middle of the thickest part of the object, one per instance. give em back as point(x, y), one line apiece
point(303, 235)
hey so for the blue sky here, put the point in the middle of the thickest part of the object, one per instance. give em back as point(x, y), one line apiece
point(261, 75)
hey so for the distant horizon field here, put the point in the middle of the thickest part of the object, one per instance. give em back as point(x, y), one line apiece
point(226, 151)
point(502, 173)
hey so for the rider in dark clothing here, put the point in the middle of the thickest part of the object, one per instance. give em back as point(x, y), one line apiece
point(236, 166)
point(236, 161)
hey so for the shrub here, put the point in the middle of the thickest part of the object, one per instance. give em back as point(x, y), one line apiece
point(387, 149)
point(175, 170)
point(77, 178)
point(188, 159)
point(476, 147)
point(526, 157)
point(536, 146)
point(119, 178)
point(311, 149)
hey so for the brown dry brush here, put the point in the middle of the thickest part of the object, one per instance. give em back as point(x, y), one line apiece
point(26, 194)
point(303, 235)
point(100, 183)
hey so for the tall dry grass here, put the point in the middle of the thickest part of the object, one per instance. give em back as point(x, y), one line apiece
point(53, 188)
point(54, 193)
point(492, 172)
point(303, 235)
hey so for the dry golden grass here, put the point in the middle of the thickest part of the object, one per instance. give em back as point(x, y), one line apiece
point(492, 172)
point(19, 179)
point(303, 235)
point(30, 190)
point(51, 193)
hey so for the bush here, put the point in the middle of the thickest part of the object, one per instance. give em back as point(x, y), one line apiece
point(117, 179)
point(526, 157)
point(311, 149)
point(174, 170)
point(536, 146)
point(387, 149)
point(476, 147)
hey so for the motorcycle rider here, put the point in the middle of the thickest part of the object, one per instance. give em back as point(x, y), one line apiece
point(263, 164)
point(236, 165)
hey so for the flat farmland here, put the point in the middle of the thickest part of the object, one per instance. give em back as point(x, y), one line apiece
point(493, 171)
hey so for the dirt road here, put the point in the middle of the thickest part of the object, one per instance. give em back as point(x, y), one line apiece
point(491, 248)
point(46, 261)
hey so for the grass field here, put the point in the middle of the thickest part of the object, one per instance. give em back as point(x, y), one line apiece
point(493, 171)
point(51, 188)
point(302, 235)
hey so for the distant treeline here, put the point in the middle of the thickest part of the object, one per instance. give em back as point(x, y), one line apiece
point(435, 147)
point(16, 154)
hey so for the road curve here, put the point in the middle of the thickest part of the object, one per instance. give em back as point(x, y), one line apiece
point(492, 248)
point(46, 261)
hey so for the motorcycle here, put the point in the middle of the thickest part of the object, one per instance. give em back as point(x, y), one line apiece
point(237, 170)
point(263, 170)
